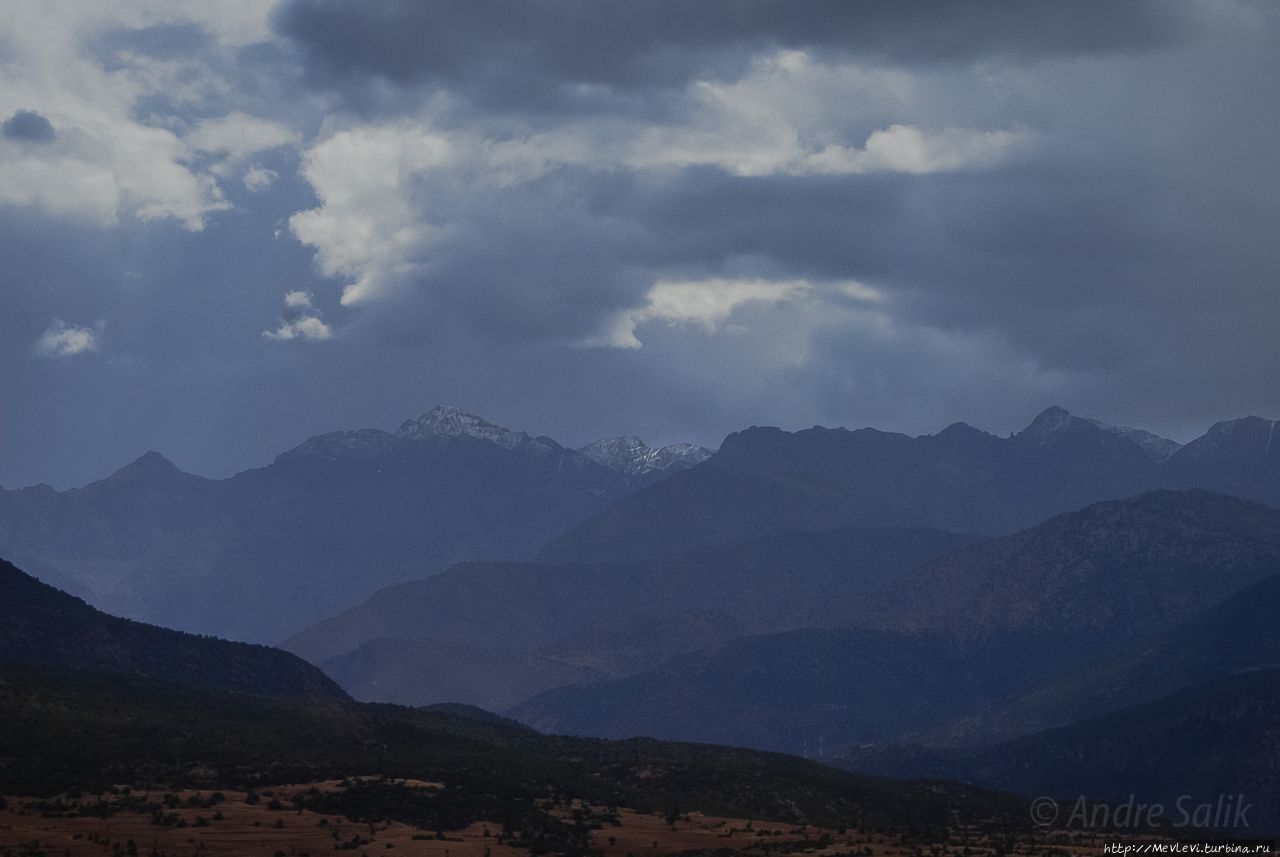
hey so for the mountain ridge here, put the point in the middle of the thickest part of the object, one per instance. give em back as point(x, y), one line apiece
point(624, 616)
point(631, 455)
point(764, 479)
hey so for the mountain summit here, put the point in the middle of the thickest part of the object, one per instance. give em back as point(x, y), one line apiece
point(631, 455)
point(1055, 422)
point(150, 465)
point(765, 480)
point(627, 455)
point(1246, 438)
point(450, 421)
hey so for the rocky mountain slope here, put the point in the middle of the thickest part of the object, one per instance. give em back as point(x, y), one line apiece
point(630, 455)
point(957, 636)
point(616, 618)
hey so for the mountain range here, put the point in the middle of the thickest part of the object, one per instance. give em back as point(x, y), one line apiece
point(711, 525)
point(267, 552)
point(765, 480)
point(598, 619)
point(1127, 651)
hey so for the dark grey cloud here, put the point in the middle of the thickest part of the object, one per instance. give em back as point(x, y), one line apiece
point(558, 52)
point(27, 126)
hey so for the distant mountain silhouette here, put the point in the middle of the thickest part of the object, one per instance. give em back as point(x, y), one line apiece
point(269, 551)
point(40, 625)
point(766, 480)
point(958, 635)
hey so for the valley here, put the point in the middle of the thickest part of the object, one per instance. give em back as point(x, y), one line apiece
point(553, 701)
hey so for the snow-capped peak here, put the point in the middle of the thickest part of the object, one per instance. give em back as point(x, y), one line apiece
point(631, 455)
point(452, 421)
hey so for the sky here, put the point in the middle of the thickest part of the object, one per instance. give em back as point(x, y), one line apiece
point(228, 225)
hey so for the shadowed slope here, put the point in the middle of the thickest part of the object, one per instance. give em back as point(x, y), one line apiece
point(41, 625)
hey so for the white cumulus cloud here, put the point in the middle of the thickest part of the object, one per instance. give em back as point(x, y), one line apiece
point(368, 227)
point(61, 339)
point(709, 304)
point(789, 115)
point(109, 159)
point(300, 319)
point(907, 149)
point(258, 178)
point(233, 138)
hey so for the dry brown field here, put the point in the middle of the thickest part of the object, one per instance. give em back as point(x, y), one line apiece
point(234, 827)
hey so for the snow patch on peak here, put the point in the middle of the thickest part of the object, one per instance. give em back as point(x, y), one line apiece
point(1239, 435)
point(1055, 420)
point(615, 451)
point(632, 456)
point(450, 421)
point(1157, 447)
point(363, 443)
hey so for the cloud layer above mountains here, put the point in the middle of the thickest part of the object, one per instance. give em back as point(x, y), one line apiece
point(663, 218)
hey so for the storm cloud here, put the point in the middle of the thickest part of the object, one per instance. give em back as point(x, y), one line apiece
point(558, 50)
point(665, 218)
